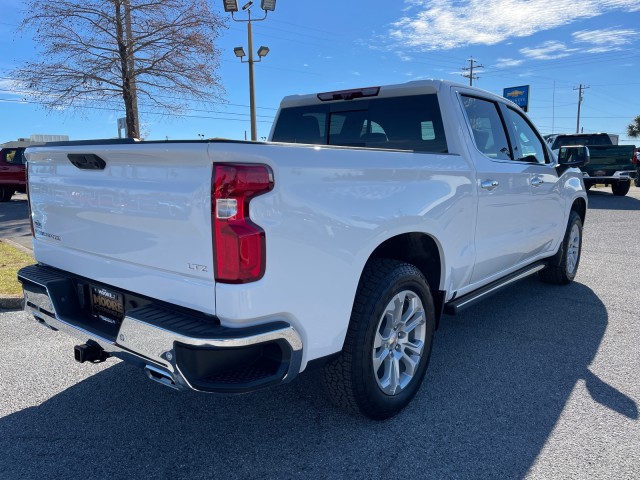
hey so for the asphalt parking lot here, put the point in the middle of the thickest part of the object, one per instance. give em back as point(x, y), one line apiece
point(537, 382)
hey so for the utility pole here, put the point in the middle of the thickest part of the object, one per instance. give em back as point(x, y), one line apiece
point(580, 98)
point(472, 64)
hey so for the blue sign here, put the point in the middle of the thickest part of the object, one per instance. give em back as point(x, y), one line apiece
point(518, 95)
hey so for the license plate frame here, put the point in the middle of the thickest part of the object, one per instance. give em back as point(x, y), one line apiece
point(107, 304)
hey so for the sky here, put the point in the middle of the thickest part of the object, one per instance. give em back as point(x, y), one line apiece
point(554, 46)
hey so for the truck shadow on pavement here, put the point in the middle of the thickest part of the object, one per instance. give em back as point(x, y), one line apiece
point(603, 199)
point(500, 376)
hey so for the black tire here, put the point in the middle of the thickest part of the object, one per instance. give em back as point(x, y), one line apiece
point(636, 181)
point(351, 380)
point(563, 266)
point(5, 194)
point(620, 189)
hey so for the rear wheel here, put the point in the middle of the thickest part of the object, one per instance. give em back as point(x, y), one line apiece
point(388, 343)
point(620, 189)
point(5, 194)
point(636, 181)
point(563, 266)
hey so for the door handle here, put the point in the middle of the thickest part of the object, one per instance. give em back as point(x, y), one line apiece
point(489, 184)
point(536, 182)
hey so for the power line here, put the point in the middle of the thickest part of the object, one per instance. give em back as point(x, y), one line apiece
point(191, 109)
point(174, 114)
point(570, 62)
point(212, 102)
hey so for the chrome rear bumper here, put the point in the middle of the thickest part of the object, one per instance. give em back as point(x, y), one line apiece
point(177, 348)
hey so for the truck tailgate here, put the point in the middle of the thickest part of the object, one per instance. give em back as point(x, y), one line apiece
point(140, 222)
point(610, 158)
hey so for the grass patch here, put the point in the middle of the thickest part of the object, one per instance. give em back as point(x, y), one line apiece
point(11, 260)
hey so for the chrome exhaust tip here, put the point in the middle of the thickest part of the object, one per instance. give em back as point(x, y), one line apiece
point(160, 376)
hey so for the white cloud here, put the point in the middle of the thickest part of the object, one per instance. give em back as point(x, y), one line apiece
point(507, 62)
point(550, 50)
point(601, 41)
point(605, 40)
point(442, 24)
point(403, 56)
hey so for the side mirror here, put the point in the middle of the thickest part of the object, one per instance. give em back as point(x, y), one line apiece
point(574, 156)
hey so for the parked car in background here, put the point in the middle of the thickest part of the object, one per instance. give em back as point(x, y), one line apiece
point(12, 172)
point(609, 164)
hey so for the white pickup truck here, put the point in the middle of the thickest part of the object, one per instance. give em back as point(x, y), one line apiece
point(226, 266)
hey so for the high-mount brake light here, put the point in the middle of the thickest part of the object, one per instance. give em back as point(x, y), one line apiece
point(239, 245)
point(349, 94)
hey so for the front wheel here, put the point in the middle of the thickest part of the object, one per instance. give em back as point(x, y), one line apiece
point(620, 189)
point(388, 343)
point(563, 266)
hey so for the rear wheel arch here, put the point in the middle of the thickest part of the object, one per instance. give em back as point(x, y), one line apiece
point(416, 248)
point(422, 251)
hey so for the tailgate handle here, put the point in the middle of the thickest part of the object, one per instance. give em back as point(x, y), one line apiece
point(87, 161)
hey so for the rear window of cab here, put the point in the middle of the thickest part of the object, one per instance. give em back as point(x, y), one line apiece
point(397, 123)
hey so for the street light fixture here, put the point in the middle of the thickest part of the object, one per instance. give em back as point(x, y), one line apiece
point(267, 6)
point(230, 5)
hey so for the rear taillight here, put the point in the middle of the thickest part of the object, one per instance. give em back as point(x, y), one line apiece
point(634, 159)
point(238, 244)
point(26, 180)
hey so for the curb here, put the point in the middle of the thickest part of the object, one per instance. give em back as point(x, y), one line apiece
point(15, 244)
point(11, 302)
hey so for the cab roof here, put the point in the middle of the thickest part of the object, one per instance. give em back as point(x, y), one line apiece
point(416, 87)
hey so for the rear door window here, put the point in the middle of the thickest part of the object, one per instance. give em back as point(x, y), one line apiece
point(527, 145)
point(489, 132)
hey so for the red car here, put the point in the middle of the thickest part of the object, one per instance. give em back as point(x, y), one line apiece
point(12, 172)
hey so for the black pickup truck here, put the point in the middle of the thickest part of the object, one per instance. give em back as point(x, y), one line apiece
point(609, 164)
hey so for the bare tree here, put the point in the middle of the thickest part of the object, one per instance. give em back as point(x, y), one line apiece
point(633, 129)
point(158, 52)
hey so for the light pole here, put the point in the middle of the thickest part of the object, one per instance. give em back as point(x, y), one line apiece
point(267, 6)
